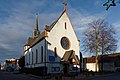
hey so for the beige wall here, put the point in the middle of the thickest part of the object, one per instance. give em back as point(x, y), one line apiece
point(91, 66)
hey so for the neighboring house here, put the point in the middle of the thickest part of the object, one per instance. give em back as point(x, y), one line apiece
point(111, 62)
point(10, 65)
point(55, 50)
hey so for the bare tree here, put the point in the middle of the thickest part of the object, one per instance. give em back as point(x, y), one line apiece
point(99, 38)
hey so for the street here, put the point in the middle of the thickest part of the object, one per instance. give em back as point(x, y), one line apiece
point(20, 76)
point(112, 76)
point(16, 76)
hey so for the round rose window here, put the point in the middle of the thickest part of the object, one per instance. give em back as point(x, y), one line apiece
point(65, 43)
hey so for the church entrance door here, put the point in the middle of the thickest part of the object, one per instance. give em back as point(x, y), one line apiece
point(66, 68)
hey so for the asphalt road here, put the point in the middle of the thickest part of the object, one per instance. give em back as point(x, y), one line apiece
point(112, 76)
point(17, 76)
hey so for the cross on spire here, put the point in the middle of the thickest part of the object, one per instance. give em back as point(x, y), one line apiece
point(65, 4)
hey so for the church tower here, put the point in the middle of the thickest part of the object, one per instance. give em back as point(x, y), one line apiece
point(36, 31)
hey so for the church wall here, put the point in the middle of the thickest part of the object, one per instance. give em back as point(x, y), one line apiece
point(54, 40)
point(59, 31)
point(36, 51)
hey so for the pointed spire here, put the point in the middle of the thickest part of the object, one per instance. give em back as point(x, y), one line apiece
point(36, 31)
point(65, 4)
point(36, 25)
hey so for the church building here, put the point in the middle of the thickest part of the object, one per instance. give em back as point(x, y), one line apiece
point(55, 50)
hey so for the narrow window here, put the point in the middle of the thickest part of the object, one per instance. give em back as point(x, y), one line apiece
point(29, 58)
point(26, 60)
point(42, 54)
point(32, 57)
point(55, 51)
point(36, 56)
point(65, 26)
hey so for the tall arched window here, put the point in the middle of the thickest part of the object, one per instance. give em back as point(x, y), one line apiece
point(36, 56)
point(29, 58)
point(41, 53)
point(55, 51)
point(65, 25)
point(26, 58)
point(32, 57)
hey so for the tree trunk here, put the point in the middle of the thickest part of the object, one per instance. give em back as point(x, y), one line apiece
point(102, 62)
point(96, 52)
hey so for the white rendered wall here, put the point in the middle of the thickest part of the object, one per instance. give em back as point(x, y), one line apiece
point(59, 31)
point(29, 53)
point(91, 66)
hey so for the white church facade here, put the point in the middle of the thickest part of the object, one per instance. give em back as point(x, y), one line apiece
point(56, 49)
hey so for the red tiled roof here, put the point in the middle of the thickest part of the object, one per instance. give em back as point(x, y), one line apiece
point(105, 58)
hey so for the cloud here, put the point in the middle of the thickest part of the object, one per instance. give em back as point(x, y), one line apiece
point(116, 25)
point(17, 25)
point(80, 21)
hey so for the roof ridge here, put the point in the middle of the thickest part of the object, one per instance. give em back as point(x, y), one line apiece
point(48, 28)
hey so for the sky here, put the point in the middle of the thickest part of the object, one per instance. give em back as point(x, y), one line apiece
point(17, 20)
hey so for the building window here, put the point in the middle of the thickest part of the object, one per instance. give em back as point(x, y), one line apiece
point(26, 60)
point(65, 43)
point(55, 51)
point(29, 58)
point(36, 56)
point(41, 53)
point(32, 57)
point(65, 25)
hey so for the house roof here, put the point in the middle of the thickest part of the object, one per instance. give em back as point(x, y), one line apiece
point(48, 28)
point(90, 59)
point(29, 41)
point(113, 54)
point(32, 41)
point(70, 55)
point(39, 38)
point(105, 58)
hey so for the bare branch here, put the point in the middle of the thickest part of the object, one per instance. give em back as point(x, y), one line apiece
point(105, 37)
